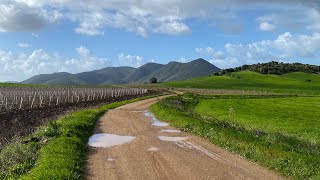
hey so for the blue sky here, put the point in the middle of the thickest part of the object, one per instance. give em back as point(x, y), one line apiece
point(39, 37)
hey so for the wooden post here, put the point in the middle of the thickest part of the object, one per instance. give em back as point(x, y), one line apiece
point(21, 102)
point(34, 97)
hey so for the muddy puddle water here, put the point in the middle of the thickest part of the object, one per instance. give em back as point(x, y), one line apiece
point(110, 159)
point(173, 139)
point(108, 140)
point(155, 121)
point(153, 149)
point(170, 130)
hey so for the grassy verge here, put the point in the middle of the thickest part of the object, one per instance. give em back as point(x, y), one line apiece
point(295, 116)
point(55, 151)
point(287, 155)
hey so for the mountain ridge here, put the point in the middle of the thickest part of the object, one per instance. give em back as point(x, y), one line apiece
point(172, 71)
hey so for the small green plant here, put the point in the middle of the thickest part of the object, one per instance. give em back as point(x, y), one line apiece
point(232, 113)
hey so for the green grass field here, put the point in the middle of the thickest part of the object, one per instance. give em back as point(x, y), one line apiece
point(280, 133)
point(295, 116)
point(16, 85)
point(301, 83)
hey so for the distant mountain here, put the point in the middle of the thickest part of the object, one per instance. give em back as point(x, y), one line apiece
point(45, 78)
point(142, 72)
point(172, 71)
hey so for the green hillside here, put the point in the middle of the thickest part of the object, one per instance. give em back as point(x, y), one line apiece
point(247, 80)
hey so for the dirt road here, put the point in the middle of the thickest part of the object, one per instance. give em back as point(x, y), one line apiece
point(153, 150)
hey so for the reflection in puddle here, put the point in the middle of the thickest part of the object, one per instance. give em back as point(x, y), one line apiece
point(111, 159)
point(173, 139)
point(153, 149)
point(155, 121)
point(107, 140)
point(170, 130)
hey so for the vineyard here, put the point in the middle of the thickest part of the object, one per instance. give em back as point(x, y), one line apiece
point(21, 98)
point(23, 109)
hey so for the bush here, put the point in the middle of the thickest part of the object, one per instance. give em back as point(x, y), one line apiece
point(153, 80)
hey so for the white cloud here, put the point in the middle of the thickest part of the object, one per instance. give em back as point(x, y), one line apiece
point(298, 46)
point(173, 28)
point(21, 17)
point(266, 26)
point(142, 17)
point(210, 51)
point(23, 45)
point(298, 18)
point(286, 47)
point(130, 60)
point(182, 60)
point(22, 66)
point(35, 35)
point(314, 17)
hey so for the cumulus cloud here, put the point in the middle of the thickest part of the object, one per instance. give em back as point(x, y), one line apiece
point(286, 47)
point(266, 26)
point(23, 45)
point(173, 28)
point(21, 17)
point(141, 17)
point(19, 67)
point(299, 18)
point(130, 60)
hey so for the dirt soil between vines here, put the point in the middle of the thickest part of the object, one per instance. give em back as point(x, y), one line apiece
point(159, 151)
point(24, 122)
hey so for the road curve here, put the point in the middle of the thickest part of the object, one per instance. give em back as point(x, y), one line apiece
point(161, 152)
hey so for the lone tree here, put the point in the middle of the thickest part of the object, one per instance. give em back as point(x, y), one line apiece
point(153, 80)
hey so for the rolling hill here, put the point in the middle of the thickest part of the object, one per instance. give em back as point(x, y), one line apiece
point(172, 71)
point(248, 80)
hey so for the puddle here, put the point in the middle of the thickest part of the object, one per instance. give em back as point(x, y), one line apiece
point(173, 139)
point(137, 111)
point(155, 121)
point(110, 159)
point(170, 130)
point(197, 147)
point(153, 149)
point(108, 140)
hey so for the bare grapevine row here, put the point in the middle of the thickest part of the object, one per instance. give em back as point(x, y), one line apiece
point(21, 98)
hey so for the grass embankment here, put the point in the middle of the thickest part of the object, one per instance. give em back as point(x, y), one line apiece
point(298, 83)
point(286, 154)
point(56, 151)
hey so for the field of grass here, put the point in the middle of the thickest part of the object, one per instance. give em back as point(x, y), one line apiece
point(301, 83)
point(295, 116)
point(273, 143)
point(18, 85)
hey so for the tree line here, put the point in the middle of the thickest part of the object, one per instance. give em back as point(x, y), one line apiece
point(273, 67)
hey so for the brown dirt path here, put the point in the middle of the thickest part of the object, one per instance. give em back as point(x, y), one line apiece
point(148, 157)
